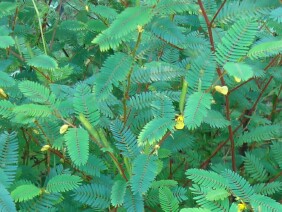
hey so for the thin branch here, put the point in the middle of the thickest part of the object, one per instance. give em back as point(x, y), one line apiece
point(217, 12)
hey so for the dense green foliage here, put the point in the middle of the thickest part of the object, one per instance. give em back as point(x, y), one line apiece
point(156, 105)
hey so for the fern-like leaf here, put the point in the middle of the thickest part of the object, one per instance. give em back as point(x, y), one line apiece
point(216, 120)
point(235, 44)
point(62, 183)
point(144, 172)
point(128, 19)
point(238, 185)
point(155, 130)
point(268, 188)
point(118, 192)
point(260, 133)
point(126, 140)
point(264, 203)
point(43, 61)
point(114, 70)
point(206, 178)
point(94, 166)
point(133, 202)
point(276, 149)
point(25, 192)
point(84, 103)
point(9, 155)
point(77, 141)
point(166, 7)
point(95, 195)
point(6, 80)
point(36, 92)
point(196, 109)
point(265, 49)
point(168, 202)
point(156, 71)
point(255, 168)
point(240, 70)
point(6, 201)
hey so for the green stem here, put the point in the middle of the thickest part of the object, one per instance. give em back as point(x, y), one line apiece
point(40, 26)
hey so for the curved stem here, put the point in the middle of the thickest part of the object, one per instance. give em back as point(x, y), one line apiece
point(40, 26)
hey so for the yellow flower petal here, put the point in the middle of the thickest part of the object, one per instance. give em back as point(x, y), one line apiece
point(241, 207)
point(64, 128)
point(222, 89)
point(179, 122)
point(3, 94)
point(237, 79)
point(45, 148)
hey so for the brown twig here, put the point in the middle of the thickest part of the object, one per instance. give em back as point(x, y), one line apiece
point(227, 103)
point(217, 12)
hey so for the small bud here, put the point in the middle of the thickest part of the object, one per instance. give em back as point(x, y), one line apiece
point(222, 89)
point(3, 94)
point(87, 8)
point(45, 148)
point(140, 29)
point(237, 79)
point(64, 128)
point(157, 147)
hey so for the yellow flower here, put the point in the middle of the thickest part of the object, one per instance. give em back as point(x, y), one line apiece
point(242, 206)
point(35, 131)
point(64, 128)
point(45, 148)
point(140, 28)
point(179, 122)
point(221, 89)
point(237, 79)
point(3, 94)
point(87, 8)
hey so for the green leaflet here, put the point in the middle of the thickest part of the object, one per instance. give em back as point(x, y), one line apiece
point(84, 102)
point(155, 130)
point(206, 178)
point(114, 70)
point(6, 80)
point(43, 61)
point(25, 192)
point(238, 185)
point(129, 19)
point(196, 108)
point(216, 120)
point(168, 202)
point(6, 201)
point(9, 155)
point(36, 92)
point(144, 172)
point(95, 195)
point(77, 141)
point(240, 70)
point(118, 192)
point(264, 203)
point(255, 168)
point(6, 41)
point(63, 183)
point(235, 44)
point(266, 49)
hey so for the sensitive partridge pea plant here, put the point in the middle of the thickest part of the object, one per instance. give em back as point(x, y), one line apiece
point(129, 105)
